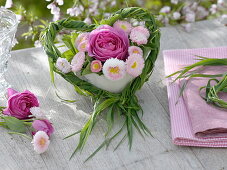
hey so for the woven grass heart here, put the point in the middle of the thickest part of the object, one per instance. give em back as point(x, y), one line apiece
point(113, 52)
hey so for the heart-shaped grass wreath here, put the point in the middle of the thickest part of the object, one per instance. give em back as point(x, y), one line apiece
point(125, 102)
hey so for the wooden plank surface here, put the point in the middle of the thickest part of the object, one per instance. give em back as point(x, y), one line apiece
point(28, 69)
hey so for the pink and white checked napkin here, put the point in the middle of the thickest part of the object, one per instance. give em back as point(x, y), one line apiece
point(191, 116)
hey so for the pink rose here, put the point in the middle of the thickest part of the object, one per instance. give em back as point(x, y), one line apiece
point(43, 125)
point(107, 42)
point(19, 104)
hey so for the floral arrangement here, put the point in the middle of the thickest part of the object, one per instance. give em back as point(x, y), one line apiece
point(22, 113)
point(110, 53)
point(215, 85)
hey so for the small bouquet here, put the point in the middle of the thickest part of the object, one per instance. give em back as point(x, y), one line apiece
point(108, 61)
point(23, 113)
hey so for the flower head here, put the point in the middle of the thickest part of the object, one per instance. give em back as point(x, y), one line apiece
point(96, 66)
point(139, 35)
point(138, 38)
point(134, 65)
point(43, 125)
point(81, 37)
point(165, 9)
point(63, 65)
point(176, 15)
point(19, 104)
point(78, 61)
point(114, 69)
point(123, 25)
point(83, 46)
point(190, 17)
point(40, 142)
point(135, 50)
point(106, 42)
point(38, 113)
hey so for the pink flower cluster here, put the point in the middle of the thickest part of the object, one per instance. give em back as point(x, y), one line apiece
point(25, 106)
point(109, 50)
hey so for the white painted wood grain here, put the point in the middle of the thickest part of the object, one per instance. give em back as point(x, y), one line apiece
point(28, 69)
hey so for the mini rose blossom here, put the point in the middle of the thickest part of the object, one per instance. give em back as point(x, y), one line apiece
point(81, 37)
point(135, 50)
point(78, 61)
point(83, 46)
point(63, 65)
point(43, 125)
point(40, 142)
point(114, 69)
point(134, 65)
point(123, 25)
point(96, 66)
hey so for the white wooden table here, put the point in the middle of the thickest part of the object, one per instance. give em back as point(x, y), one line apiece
point(28, 69)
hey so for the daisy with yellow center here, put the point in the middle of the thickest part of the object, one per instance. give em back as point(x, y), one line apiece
point(114, 69)
point(78, 61)
point(40, 142)
point(83, 46)
point(96, 66)
point(135, 50)
point(123, 25)
point(81, 37)
point(134, 65)
point(139, 35)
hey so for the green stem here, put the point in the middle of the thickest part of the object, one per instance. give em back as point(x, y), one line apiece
point(28, 123)
point(20, 134)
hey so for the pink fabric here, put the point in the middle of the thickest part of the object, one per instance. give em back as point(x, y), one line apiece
point(187, 120)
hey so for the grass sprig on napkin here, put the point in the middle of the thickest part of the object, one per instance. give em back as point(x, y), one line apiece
point(211, 91)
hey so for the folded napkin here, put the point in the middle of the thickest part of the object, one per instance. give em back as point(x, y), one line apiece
point(193, 121)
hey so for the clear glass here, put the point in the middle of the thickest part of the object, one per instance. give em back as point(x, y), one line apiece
point(8, 28)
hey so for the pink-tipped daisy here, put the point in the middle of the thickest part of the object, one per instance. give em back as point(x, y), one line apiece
point(114, 69)
point(138, 38)
point(135, 50)
point(134, 65)
point(142, 30)
point(78, 61)
point(96, 66)
point(83, 46)
point(40, 142)
point(63, 65)
point(82, 37)
point(123, 25)
point(139, 35)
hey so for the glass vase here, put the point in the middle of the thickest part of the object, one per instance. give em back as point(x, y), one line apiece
point(8, 28)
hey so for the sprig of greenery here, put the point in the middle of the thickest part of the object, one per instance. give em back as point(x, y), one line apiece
point(211, 92)
point(125, 102)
